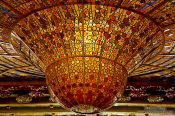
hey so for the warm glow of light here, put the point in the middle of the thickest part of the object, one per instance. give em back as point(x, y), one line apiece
point(88, 50)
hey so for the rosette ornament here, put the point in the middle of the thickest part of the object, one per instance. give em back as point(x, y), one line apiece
point(88, 50)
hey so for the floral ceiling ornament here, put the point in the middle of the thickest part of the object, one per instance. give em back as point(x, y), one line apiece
point(88, 47)
point(170, 95)
point(36, 94)
point(23, 99)
point(125, 99)
point(5, 94)
point(155, 98)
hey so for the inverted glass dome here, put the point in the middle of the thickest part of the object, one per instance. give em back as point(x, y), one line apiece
point(88, 49)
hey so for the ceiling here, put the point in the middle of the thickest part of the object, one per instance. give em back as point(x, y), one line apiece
point(21, 72)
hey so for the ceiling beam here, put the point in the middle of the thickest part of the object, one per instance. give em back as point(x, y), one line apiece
point(160, 67)
point(116, 109)
point(23, 83)
point(116, 104)
point(43, 83)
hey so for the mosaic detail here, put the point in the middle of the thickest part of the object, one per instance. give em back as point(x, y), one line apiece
point(161, 11)
point(89, 30)
point(155, 98)
point(86, 81)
